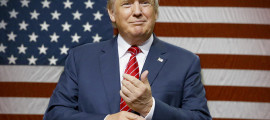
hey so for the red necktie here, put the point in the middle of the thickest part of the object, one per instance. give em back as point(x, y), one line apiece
point(131, 69)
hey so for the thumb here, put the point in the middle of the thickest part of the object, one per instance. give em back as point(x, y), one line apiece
point(144, 78)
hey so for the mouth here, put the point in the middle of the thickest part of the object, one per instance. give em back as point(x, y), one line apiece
point(138, 22)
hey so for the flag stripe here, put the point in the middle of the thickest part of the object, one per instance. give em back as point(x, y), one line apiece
point(243, 110)
point(26, 73)
point(235, 61)
point(217, 3)
point(218, 109)
point(25, 89)
point(214, 15)
point(221, 45)
point(233, 77)
point(20, 117)
point(212, 30)
point(233, 93)
point(228, 77)
point(40, 117)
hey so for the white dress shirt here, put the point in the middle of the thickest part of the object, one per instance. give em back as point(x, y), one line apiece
point(124, 56)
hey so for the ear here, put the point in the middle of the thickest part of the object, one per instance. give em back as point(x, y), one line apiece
point(111, 14)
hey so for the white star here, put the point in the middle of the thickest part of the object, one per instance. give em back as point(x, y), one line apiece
point(96, 38)
point(34, 15)
point(22, 49)
point(33, 37)
point(23, 25)
point(77, 15)
point(54, 37)
point(3, 24)
point(97, 16)
point(25, 3)
point(66, 26)
point(46, 4)
point(89, 4)
point(42, 49)
point(52, 60)
point(87, 27)
point(75, 38)
point(13, 14)
point(12, 59)
point(55, 15)
point(11, 36)
point(67, 4)
point(64, 50)
point(32, 60)
point(2, 48)
point(3, 2)
point(44, 26)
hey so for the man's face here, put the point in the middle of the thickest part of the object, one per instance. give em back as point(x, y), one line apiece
point(134, 18)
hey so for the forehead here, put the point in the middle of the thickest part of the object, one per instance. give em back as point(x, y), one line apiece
point(131, 0)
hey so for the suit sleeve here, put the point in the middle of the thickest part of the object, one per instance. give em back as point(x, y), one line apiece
point(194, 103)
point(63, 103)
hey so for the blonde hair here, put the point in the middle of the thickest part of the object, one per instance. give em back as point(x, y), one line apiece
point(110, 6)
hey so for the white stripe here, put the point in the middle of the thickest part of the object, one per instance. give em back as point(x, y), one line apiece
point(222, 45)
point(134, 70)
point(18, 73)
point(214, 15)
point(130, 67)
point(227, 77)
point(218, 109)
point(17, 105)
point(243, 110)
point(123, 107)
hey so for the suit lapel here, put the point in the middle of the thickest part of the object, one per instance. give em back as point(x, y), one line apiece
point(109, 65)
point(155, 59)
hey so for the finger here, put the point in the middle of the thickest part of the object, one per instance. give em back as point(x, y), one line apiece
point(125, 91)
point(125, 98)
point(136, 82)
point(144, 76)
point(132, 116)
point(127, 84)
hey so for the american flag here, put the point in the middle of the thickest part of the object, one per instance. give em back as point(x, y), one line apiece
point(232, 38)
point(41, 32)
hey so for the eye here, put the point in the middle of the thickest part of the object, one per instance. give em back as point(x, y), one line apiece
point(126, 4)
point(146, 3)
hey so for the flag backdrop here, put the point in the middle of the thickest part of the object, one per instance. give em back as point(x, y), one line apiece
point(231, 37)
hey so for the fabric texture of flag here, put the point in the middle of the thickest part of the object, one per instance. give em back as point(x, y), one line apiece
point(231, 37)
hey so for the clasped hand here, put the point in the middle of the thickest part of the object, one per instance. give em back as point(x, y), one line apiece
point(137, 95)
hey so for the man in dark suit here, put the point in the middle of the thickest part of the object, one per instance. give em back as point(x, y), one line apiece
point(101, 81)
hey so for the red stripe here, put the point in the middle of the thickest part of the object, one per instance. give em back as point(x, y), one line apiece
point(226, 93)
point(40, 117)
point(26, 89)
point(235, 61)
point(234, 93)
point(216, 3)
point(211, 30)
point(20, 117)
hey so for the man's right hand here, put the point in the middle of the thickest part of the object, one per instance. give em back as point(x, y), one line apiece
point(124, 115)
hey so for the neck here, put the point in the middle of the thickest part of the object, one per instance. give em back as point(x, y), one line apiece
point(135, 40)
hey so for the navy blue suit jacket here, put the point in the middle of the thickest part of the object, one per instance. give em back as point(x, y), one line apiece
point(89, 87)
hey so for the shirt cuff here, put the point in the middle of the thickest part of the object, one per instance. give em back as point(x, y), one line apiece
point(106, 116)
point(151, 113)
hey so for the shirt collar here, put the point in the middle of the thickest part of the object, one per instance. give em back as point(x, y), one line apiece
point(123, 46)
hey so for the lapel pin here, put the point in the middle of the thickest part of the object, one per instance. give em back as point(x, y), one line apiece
point(160, 59)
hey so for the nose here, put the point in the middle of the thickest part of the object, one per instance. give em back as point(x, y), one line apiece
point(137, 11)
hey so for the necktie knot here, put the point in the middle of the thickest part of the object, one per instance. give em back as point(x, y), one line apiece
point(134, 50)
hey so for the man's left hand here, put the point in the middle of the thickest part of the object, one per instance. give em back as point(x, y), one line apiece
point(137, 93)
